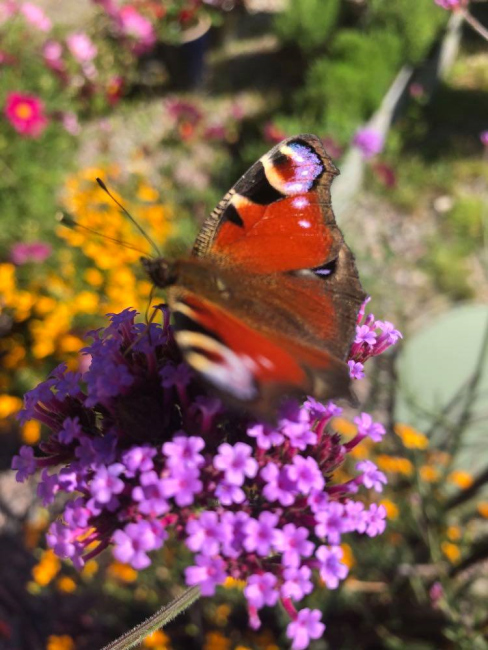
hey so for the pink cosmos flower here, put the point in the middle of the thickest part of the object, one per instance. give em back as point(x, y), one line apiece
point(7, 10)
point(53, 53)
point(81, 47)
point(35, 16)
point(484, 138)
point(22, 253)
point(369, 141)
point(137, 27)
point(26, 114)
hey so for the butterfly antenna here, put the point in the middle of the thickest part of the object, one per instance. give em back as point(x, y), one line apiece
point(67, 220)
point(129, 216)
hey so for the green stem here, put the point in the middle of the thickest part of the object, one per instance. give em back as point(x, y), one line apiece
point(156, 621)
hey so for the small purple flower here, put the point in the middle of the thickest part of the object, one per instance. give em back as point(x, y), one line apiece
point(450, 5)
point(318, 500)
point(305, 627)
point(260, 533)
point(234, 532)
point(279, 484)
point(106, 483)
point(236, 462)
point(24, 463)
point(367, 427)
point(292, 542)
point(306, 474)
point(355, 516)
point(369, 141)
point(365, 335)
point(228, 494)
point(150, 494)
point(484, 138)
point(331, 522)
point(134, 542)
point(71, 430)
point(297, 582)
point(266, 436)
point(331, 569)
point(208, 573)
point(371, 476)
point(295, 423)
point(183, 484)
point(48, 487)
point(356, 369)
point(261, 590)
point(184, 451)
point(205, 534)
point(138, 459)
point(375, 520)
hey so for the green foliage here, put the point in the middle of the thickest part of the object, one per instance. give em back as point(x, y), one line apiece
point(340, 90)
point(465, 221)
point(447, 265)
point(416, 23)
point(307, 23)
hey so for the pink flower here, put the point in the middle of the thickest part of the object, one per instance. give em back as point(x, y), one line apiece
point(450, 5)
point(70, 122)
point(81, 47)
point(34, 252)
point(306, 626)
point(369, 141)
point(26, 114)
point(484, 138)
point(137, 27)
point(36, 16)
point(53, 53)
point(7, 10)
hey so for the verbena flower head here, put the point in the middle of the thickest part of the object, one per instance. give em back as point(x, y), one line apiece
point(143, 455)
point(26, 114)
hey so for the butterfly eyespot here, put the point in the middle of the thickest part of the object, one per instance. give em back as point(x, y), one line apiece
point(326, 270)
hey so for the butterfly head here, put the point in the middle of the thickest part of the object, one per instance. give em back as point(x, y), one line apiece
point(161, 271)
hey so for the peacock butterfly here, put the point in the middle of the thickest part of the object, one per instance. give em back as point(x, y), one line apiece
point(266, 305)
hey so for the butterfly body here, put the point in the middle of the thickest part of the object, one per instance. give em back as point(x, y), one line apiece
point(266, 306)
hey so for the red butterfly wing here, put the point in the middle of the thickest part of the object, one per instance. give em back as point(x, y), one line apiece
point(278, 216)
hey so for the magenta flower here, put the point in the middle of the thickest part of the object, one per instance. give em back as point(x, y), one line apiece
point(236, 462)
point(81, 47)
point(208, 573)
point(260, 508)
point(484, 138)
point(26, 114)
point(35, 16)
point(22, 253)
point(305, 627)
point(261, 590)
point(331, 569)
point(450, 5)
point(356, 369)
point(367, 427)
point(369, 142)
point(136, 27)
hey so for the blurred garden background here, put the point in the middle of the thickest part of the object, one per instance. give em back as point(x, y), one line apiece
point(169, 102)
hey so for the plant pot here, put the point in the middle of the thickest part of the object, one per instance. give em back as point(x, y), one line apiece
point(185, 61)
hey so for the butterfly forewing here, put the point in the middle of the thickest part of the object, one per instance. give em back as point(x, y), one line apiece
point(268, 304)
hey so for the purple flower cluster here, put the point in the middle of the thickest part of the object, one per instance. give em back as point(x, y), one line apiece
point(144, 455)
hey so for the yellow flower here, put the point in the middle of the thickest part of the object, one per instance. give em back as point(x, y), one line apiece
point(31, 432)
point(451, 551)
point(483, 509)
point(429, 474)
point(347, 555)
point(216, 641)
point(122, 572)
point(70, 343)
point(63, 642)
point(411, 438)
point(9, 405)
point(66, 584)
point(222, 614)
point(461, 478)
point(44, 305)
point(46, 569)
point(86, 302)
point(93, 277)
point(147, 193)
point(394, 464)
point(90, 568)
point(454, 533)
point(344, 427)
point(363, 450)
point(158, 640)
point(392, 510)
point(233, 583)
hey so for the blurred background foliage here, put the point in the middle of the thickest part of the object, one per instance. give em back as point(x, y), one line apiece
point(169, 102)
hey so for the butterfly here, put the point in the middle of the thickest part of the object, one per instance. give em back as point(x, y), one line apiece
point(266, 304)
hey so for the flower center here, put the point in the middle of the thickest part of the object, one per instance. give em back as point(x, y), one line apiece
point(24, 111)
